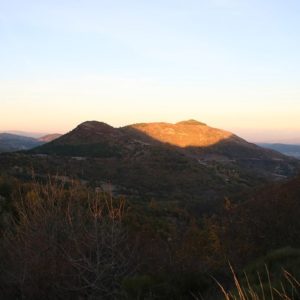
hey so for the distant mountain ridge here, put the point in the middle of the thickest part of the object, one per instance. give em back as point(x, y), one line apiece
point(286, 149)
point(34, 135)
point(13, 142)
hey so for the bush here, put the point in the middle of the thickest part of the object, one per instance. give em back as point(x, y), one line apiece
point(64, 243)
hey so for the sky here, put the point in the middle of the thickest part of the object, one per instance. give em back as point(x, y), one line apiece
point(233, 64)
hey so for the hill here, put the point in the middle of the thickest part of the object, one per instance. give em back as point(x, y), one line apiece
point(188, 136)
point(190, 139)
point(205, 142)
point(89, 139)
point(159, 160)
point(11, 142)
point(34, 135)
point(286, 149)
point(49, 137)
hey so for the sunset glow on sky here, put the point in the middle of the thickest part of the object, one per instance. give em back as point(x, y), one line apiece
point(233, 64)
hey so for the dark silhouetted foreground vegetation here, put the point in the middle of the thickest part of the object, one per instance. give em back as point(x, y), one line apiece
point(64, 240)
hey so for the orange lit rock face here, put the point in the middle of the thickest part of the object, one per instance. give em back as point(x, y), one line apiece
point(184, 134)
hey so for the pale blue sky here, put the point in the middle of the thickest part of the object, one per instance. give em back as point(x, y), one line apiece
point(234, 64)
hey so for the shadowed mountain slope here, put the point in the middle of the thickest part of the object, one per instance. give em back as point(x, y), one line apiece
point(90, 139)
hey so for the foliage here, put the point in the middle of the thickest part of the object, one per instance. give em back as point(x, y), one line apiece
point(82, 150)
point(64, 242)
point(61, 239)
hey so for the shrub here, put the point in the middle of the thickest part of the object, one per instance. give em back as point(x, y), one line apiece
point(64, 243)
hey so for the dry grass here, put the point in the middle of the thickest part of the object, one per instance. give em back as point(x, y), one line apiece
point(64, 240)
point(289, 288)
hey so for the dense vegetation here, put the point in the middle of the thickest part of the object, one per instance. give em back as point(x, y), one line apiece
point(65, 240)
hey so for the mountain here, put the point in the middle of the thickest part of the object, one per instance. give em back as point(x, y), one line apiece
point(186, 160)
point(34, 135)
point(190, 138)
point(11, 142)
point(91, 139)
point(205, 142)
point(49, 137)
point(286, 149)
